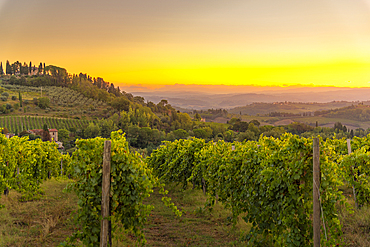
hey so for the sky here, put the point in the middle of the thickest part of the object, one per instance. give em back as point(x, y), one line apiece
point(147, 43)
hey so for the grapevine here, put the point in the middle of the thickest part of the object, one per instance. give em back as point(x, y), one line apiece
point(270, 180)
point(131, 182)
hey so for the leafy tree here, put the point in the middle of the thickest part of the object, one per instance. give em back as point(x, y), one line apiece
point(229, 136)
point(121, 104)
point(203, 133)
point(233, 120)
point(106, 127)
point(16, 67)
point(133, 133)
point(63, 135)
point(338, 126)
point(253, 128)
point(240, 126)
point(72, 130)
point(92, 130)
point(139, 100)
point(255, 122)
point(246, 136)
point(298, 128)
point(163, 102)
point(43, 102)
point(16, 106)
point(45, 133)
point(170, 137)
point(197, 117)
point(3, 109)
point(180, 134)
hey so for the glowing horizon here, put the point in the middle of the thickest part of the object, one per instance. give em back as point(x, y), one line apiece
point(264, 43)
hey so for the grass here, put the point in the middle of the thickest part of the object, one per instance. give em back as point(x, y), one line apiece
point(48, 222)
point(44, 222)
point(356, 226)
point(196, 227)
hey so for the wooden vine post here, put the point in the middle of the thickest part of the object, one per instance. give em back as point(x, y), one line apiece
point(353, 186)
point(105, 235)
point(61, 167)
point(316, 192)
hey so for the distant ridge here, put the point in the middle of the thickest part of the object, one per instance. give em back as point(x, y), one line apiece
point(200, 100)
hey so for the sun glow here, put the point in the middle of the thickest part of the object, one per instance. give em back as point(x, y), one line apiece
point(262, 43)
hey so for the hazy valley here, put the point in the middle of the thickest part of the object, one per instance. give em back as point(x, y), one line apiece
point(189, 99)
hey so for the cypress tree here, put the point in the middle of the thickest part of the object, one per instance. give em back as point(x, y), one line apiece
point(30, 67)
point(25, 69)
point(1, 68)
point(20, 99)
point(40, 69)
point(8, 68)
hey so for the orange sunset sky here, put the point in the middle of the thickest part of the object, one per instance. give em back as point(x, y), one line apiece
point(206, 42)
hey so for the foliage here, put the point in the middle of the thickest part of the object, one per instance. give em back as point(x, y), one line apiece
point(174, 161)
point(204, 133)
point(354, 112)
point(5, 94)
point(25, 164)
point(298, 128)
point(355, 169)
point(180, 134)
point(13, 123)
point(63, 134)
point(43, 102)
point(271, 179)
point(355, 166)
point(131, 182)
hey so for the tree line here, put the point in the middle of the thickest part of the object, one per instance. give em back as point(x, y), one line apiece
point(147, 124)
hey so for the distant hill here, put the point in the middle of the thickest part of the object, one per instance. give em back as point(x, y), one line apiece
point(288, 108)
point(200, 100)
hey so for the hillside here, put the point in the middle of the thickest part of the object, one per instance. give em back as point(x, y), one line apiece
point(98, 107)
point(287, 107)
point(201, 100)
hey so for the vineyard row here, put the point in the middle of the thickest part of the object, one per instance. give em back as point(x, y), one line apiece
point(272, 181)
point(17, 124)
